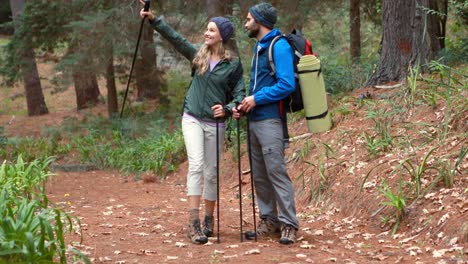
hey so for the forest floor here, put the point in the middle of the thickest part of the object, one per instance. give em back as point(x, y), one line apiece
point(124, 220)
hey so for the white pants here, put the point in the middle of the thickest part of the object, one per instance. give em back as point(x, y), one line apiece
point(200, 143)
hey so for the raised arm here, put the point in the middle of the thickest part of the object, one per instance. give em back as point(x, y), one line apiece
point(181, 44)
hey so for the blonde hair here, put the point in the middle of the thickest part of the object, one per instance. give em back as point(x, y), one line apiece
point(201, 61)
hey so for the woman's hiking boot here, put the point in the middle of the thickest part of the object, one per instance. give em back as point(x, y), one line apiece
point(266, 228)
point(288, 234)
point(208, 225)
point(195, 233)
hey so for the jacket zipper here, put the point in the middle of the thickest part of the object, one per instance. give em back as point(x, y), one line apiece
point(256, 67)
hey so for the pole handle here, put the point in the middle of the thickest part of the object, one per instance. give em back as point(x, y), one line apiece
point(147, 5)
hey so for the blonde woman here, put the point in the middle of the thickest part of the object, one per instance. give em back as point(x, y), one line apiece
point(217, 85)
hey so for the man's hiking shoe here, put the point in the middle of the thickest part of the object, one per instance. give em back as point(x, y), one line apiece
point(208, 225)
point(288, 234)
point(195, 233)
point(266, 228)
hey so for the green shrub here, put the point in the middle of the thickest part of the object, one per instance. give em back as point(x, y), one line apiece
point(31, 230)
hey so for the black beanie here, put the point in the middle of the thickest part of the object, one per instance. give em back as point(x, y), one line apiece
point(225, 27)
point(265, 14)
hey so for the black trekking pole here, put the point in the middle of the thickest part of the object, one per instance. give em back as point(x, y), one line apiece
point(146, 8)
point(248, 236)
point(240, 177)
point(217, 173)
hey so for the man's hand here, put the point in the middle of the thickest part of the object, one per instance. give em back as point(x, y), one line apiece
point(248, 103)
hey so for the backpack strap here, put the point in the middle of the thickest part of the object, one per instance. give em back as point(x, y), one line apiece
point(271, 60)
point(283, 115)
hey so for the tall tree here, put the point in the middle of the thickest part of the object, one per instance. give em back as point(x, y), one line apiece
point(293, 13)
point(84, 74)
point(86, 87)
point(112, 102)
point(32, 85)
point(355, 30)
point(147, 76)
point(437, 17)
point(405, 41)
point(244, 8)
point(218, 7)
point(5, 16)
point(221, 8)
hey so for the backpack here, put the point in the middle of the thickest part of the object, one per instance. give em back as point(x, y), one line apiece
point(301, 46)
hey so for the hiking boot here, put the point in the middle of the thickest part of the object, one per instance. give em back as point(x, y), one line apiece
point(195, 234)
point(288, 234)
point(208, 225)
point(266, 228)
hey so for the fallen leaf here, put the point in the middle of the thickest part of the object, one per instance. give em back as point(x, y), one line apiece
point(180, 244)
point(453, 241)
point(253, 251)
point(439, 253)
point(141, 234)
point(444, 218)
point(307, 246)
point(318, 233)
point(105, 259)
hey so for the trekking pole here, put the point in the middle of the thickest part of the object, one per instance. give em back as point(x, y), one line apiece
point(240, 177)
point(251, 179)
point(146, 8)
point(217, 174)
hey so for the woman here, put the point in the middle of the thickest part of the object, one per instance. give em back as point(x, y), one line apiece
point(217, 86)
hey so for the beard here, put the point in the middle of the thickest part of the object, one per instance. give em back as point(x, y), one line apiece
point(253, 33)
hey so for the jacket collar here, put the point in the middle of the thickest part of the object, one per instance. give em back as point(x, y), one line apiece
point(266, 40)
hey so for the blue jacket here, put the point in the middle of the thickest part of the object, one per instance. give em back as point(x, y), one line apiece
point(267, 89)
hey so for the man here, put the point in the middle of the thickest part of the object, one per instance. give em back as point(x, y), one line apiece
point(275, 193)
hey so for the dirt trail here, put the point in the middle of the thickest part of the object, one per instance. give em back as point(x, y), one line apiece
point(127, 221)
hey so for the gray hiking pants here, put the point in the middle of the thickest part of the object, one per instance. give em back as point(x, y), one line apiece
point(275, 193)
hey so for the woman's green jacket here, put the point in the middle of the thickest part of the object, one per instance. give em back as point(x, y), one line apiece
point(223, 85)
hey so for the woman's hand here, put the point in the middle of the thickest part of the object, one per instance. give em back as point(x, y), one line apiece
point(218, 110)
point(237, 112)
point(148, 13)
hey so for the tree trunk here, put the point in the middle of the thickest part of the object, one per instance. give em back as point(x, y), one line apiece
point(355, 30)
point(32, 84)
point(5, 16)
point(292, 12)
point(437, 23)
point(217, 7)
point(405, 41)
point(86, 87)
point(147, 75)
point(245, 5)
point(222, 8)
point(112, 104)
